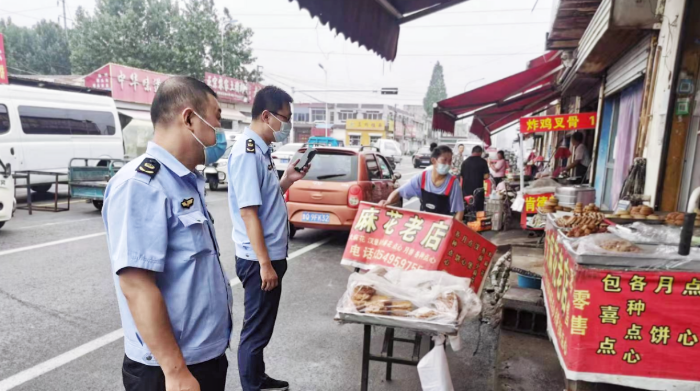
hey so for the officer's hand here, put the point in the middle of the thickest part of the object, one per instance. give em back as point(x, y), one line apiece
point(294, 175)
point(182, 381)
point(382, 203)
point(268, 277)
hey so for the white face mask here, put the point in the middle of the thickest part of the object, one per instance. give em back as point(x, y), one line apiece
point(285, 129)
point(443, 169)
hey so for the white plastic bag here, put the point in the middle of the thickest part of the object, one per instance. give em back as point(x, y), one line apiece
point(433, 369)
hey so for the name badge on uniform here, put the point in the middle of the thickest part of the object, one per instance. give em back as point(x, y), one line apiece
point(187, 203)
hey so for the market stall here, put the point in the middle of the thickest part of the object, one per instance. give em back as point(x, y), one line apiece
point(622, 306)
point(417, 271)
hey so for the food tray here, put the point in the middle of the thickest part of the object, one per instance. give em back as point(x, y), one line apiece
point(417, 325)
point(630, 221)
point(635, 261)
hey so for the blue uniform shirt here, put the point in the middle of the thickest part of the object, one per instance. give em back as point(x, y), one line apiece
point(253, 181)
point(159, 222)
point(412, 189)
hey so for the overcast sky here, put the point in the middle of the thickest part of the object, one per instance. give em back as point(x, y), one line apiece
point(477, 42)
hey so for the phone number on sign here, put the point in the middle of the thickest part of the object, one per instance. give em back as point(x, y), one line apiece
point(387, 258)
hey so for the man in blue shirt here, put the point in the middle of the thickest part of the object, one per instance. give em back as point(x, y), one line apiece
point(260, 229)
point(173, 295)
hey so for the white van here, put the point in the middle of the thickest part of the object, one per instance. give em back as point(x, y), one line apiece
point(43, 129)
point(389, 147)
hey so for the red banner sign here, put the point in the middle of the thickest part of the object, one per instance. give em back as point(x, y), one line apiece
point(4, 77)
point(532, 203)
point(232, 90)
point(414, 240)
point(564, 122)
point(126, 83)
point(614, 323)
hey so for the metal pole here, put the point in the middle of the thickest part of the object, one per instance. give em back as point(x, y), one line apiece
point(65, 24)
point(223, 28)
point(326, 99)
point(522, 162)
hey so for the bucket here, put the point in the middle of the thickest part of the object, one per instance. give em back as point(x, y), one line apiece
point(529, 282)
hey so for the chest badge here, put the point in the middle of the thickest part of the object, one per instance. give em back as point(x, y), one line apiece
point(187, 203)
point(269, 166)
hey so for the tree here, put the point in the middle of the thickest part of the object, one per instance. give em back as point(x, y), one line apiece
point(436, 90)
point(158, 35)
point(41, 49)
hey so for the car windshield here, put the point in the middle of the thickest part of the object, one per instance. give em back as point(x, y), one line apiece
point(331, 167)
point(289, 148)
point(424, 150)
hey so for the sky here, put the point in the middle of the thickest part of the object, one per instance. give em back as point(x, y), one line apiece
point(477, 42)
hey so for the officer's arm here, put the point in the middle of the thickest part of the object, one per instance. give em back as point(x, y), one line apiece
point(151, 318)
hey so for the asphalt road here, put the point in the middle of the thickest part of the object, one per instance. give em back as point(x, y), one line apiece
point(60, 327)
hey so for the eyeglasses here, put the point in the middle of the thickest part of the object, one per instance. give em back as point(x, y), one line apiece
point(286, 119)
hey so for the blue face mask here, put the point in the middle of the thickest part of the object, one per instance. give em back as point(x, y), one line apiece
point(214, 152)
point(285, 129)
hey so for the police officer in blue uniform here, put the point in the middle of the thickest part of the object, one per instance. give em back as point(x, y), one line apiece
point(260, 229)
point(173, 295)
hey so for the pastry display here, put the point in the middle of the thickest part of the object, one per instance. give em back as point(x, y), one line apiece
point(620, 246)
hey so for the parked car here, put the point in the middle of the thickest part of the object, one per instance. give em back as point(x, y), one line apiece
point(217, 173)
point(421, 157)
point(8, 204)
point(339, 179)
point(283, 155)
point(389, 147)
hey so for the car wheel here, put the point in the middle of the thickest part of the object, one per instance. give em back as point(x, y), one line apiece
point(42, 188)
point(2, 223)
point(416, 164)
point(292, 231)
point(213, 185)
point(98, 204)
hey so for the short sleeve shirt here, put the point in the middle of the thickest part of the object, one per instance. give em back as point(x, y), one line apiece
point(253, 181)
point(581, 153)
point(413, 189)
point(158, 221)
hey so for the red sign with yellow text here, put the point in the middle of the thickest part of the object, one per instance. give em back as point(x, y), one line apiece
point(532, 202)
point(611, 322)
point(563, 122)
point(416, 240)
point(4, 77)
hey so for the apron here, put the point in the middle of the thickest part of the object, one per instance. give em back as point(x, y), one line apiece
point(433, 202)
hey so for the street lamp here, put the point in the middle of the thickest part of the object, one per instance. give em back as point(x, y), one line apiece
point(326, 95)
point(470, 82)
point(228, 23)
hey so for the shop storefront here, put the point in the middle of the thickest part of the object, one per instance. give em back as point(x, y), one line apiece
point(364, 131)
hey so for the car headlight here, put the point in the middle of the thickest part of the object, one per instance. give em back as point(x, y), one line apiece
point(222, 176)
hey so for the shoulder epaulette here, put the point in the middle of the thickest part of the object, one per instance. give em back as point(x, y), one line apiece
point(250, 146)
point(149, 167)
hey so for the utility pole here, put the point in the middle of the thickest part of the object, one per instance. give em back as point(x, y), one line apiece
point(65, 24)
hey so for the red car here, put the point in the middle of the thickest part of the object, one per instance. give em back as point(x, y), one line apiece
point(339, 179)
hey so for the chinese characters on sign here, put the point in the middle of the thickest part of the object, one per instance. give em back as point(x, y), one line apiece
point(563, 122)
point(620, 322)
point(230, 89)
point(414, 240)
point(532, 203)
point(126, 83)
point(366, 124)
point(3, 62)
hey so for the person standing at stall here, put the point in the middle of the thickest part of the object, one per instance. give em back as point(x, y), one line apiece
point(498, 167)
point(437, 189)
point(174, 297)
point(580, 159)
point(261, 229)
point(474, 172)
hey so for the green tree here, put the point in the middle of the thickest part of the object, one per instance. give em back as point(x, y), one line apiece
point(436, 90)
point(158, 35)
point(41, 49)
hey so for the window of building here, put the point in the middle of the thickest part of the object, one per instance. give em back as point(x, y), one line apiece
point(4, 119)
point(301, 117)
point(318, 115)
point(226, 123)
point(44, 120)
point(372, 115)
point(355, 139)
point(374, 139)
point(346, 115)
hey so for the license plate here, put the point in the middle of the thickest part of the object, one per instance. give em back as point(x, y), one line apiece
point(284, 160)
point(312, 217)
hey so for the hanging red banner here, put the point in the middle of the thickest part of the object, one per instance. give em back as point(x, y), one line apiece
point(415, 240)
point(551, 123)
point(4, 77)
point(622, 327)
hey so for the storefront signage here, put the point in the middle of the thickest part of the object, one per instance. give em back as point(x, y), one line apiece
point(365, 124)
point(232, 90)
point(612, 323)
point(126, 83)
point(413, 240)
point(3, 62)
point(550, 123)
point(532, 203)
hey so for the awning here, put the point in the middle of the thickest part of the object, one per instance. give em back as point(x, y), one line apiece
point(489, 120)
point(500, 96)
point(373, 24)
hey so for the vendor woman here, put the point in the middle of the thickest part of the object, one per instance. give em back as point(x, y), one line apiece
point(438, 190)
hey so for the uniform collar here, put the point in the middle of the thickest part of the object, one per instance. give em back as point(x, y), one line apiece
point(249, 133)
point(168, 160)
